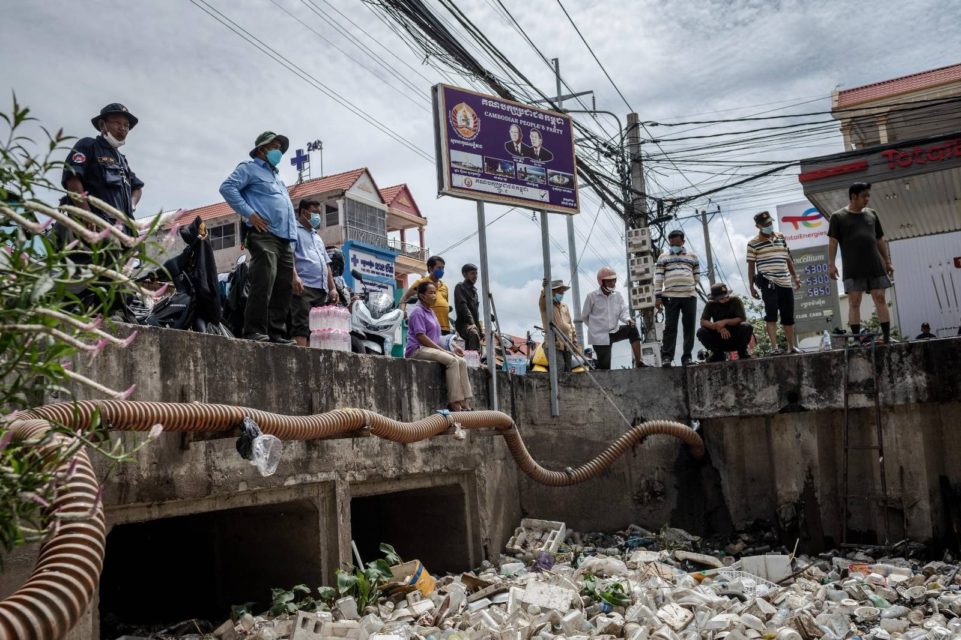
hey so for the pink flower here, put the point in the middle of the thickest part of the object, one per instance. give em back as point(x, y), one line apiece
point(155, 431)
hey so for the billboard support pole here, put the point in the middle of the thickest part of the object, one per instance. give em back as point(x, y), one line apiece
point(549, 315)
point(571, 245)
point(486, 304)
point(575, 285)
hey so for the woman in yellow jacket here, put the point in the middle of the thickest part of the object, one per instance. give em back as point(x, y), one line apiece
point(562, 321)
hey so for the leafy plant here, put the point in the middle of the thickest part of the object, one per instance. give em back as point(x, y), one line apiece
point(612, 593)
point(363, 584)
point(54, 300)
point(390, 554)
point(284, 601)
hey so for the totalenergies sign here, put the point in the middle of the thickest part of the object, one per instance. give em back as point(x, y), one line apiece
point(904, 158)
point(802, 224)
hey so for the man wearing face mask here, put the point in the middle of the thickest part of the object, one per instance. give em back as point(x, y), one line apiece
point(313, 278)
point(96, 167)
point(770, 268)
point(257, 193)
point(435, 268)
point(676, 273)
point(561, 319)
point(607, 320)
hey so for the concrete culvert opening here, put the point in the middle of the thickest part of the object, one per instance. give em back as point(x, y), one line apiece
point(427, 524)
point(198, 566)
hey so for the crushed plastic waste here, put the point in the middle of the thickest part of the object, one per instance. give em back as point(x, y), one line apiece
point(642, 585)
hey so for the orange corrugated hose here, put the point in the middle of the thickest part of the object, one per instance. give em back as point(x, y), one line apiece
point(71, 559)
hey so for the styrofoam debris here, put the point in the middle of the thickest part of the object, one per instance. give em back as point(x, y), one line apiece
point(548, 596)
point(645, 586)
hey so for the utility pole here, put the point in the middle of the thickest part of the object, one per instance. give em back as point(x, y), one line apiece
point(571, 245)
point(708, 254)
point(640, 268)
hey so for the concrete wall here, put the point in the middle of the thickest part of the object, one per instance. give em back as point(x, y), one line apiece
point(184, 475)
point(773, 431)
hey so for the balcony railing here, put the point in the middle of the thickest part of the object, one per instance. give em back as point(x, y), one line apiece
point(369, 237)
point(409, 250)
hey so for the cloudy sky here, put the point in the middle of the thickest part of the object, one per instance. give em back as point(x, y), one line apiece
point(202, 95)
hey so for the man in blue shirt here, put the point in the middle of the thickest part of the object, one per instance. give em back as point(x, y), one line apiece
point(313, 278)
point(256, 192)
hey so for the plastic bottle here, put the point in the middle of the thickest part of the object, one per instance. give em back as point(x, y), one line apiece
point(344, 314)
point(825, 341)
point(314, 318)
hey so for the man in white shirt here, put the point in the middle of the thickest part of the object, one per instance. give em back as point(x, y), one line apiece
point(607, 320)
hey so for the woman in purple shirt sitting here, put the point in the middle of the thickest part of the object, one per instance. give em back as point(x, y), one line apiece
point(423, 337)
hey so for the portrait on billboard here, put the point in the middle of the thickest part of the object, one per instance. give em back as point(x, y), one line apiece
point(537, 151)
point(503, 151)
point(515, 146)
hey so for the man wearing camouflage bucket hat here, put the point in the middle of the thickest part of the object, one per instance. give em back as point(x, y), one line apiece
point(259, 196)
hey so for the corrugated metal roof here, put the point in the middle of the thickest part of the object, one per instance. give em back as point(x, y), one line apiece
point(927, 283)
point(897, 86)
point(908, 207)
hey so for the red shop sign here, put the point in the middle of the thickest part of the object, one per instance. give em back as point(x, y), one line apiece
point(901, 158)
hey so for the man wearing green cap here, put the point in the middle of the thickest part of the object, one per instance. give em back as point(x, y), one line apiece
point(256, 192)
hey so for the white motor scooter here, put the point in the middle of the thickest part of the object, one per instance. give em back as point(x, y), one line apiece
point(374, 319)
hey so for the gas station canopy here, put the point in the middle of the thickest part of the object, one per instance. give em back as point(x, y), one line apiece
point(915, 184)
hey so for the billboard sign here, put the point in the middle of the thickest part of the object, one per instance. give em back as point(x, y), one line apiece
point(816, 305)
point(802, 224)
point(502, 151)
point(374, 263)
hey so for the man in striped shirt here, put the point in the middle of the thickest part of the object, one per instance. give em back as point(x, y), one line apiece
point(771, 269)
point(675, 277)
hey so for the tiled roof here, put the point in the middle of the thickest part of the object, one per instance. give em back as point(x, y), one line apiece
point(314, 186)
point(896, 86)
point(389, 193)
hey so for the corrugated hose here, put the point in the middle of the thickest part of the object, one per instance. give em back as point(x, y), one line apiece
point(68, 570)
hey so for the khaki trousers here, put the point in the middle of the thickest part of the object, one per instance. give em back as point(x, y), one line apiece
point(458, 382)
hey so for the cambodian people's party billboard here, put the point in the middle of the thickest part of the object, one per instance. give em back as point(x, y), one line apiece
point(502, 151)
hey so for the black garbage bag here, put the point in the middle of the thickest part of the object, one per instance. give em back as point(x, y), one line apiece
point(200, 267)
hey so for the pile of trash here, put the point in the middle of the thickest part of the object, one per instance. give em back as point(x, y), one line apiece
point(642, 585)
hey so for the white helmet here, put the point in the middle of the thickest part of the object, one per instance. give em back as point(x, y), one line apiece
point(605, 273)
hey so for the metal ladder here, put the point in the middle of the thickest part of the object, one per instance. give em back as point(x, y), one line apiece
point(883, 500)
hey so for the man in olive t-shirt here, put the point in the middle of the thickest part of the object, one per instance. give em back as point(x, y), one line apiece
point(864, 256)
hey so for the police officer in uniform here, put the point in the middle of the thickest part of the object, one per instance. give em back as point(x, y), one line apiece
point(96, 167)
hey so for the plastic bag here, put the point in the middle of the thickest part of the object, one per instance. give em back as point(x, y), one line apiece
point(263, 451)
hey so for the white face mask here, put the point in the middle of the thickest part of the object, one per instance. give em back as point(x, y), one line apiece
point(116, 144)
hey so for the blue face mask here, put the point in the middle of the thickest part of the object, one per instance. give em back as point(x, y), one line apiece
point(315, 220)
point(438, 273)
point(676, 250)
point(768, 230)
point(274, 156)
point(558, 297)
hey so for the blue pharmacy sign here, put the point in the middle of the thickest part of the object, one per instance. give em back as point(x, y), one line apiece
point(376, 264)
